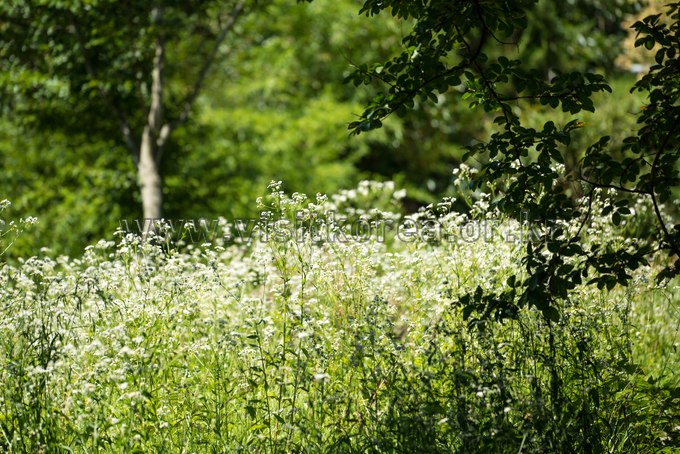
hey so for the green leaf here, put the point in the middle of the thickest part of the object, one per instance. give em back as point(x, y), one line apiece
point(467, 311)
point(659, 55)
point(551, 314)
point(533, 282)
point(479, 293)
point(649, 43)
point(453, 81)
point(565, 269)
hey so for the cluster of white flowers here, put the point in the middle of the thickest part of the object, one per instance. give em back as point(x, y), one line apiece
point(123, 317)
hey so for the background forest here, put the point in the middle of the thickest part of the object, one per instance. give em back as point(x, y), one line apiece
point(274, 106)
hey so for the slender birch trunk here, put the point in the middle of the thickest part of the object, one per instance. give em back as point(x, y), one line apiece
point(155, 136)
point(150, 183)
point(147, 157)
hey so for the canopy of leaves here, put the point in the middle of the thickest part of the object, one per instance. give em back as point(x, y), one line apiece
point(447, 48)
point(73, 66)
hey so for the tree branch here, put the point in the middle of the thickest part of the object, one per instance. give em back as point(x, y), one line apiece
point(481, 18)
point(612, 186)
point(651, 186)
point(167, 129)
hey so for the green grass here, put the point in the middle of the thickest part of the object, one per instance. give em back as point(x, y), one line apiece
point(351, 348)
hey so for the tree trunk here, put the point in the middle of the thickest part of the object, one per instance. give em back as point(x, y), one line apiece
point(147, 158)
point(155, 136)
point(149, 178)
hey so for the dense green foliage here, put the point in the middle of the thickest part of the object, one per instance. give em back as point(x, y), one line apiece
point(78, 195)
point(75, 67)
point(572, 35)
point(446, 49)
point(274, 94)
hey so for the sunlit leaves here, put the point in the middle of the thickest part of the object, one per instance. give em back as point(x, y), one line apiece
point(531, 156)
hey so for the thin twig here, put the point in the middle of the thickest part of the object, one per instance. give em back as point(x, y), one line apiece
point(651, 186)
point(612, 186)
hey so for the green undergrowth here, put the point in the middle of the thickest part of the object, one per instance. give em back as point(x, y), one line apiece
point(276, 345)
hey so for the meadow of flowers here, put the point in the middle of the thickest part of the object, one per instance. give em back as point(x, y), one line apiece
point(271, 345)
